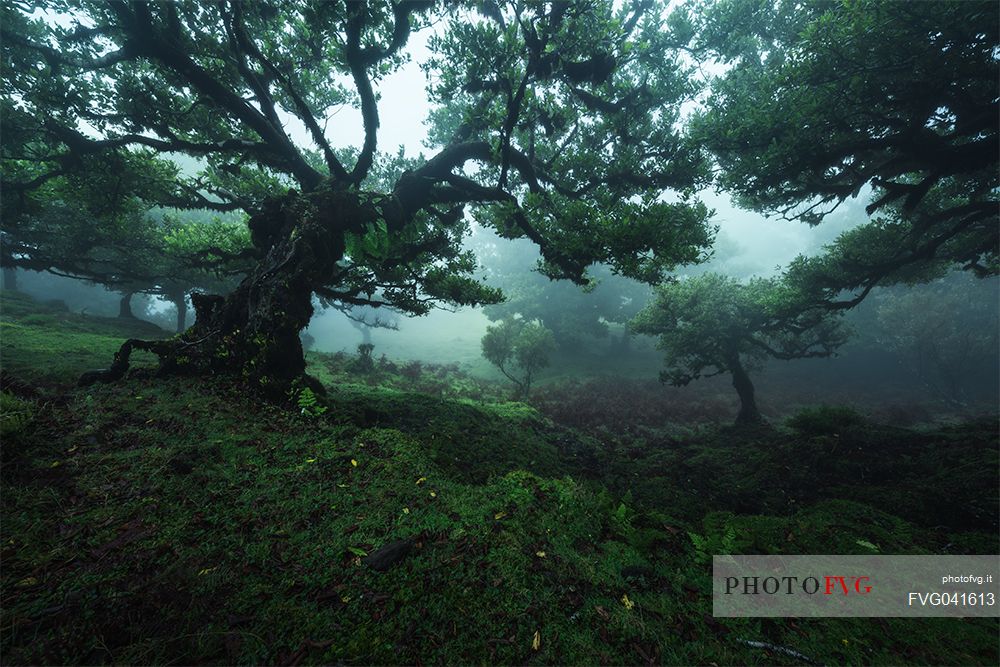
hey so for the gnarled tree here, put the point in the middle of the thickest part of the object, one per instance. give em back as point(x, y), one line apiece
point(555, 121)
point(824, 101)
point(710, 325)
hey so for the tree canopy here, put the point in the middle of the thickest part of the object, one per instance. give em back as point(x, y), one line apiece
point(556, 121)
point(824, 101)
point(94, 224)
point(574, 314)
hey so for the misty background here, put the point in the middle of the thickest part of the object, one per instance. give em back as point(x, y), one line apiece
point(932, 345)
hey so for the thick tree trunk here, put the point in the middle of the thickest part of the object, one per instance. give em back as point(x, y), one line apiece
point(125, 306)
point(9, 278)
point(254, 331)
point(180, 303)
point(749, 414)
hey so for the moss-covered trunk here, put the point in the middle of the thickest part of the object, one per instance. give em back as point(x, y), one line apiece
point(254, 331)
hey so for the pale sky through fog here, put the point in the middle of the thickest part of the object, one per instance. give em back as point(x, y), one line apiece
point(748, 244)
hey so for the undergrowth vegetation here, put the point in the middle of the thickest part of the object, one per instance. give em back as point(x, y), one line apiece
point(412, 515)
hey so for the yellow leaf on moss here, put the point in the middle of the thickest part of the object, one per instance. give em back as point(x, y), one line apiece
point(354, 463)
point(540, 554)
point(536, 641)
point(499, 515)
point(628, 603)
point(421, 480)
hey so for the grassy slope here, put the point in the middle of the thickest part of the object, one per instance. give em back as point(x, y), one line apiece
point(45, 345)
point(179, 521)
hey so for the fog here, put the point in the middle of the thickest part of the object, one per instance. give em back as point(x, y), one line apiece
point(746, 245)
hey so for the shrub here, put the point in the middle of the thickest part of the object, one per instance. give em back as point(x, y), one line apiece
point(826, 420)
point(364, 363)
point(412, 370)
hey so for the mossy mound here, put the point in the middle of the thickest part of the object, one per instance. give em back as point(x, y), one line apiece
point(180, 521)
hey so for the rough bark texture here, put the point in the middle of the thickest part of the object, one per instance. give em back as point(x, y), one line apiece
point(254, 331)
point(749, 413)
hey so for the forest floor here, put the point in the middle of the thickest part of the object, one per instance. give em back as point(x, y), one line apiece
point(179, 521)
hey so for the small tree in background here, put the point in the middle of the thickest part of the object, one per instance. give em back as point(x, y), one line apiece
point(519, 349)
point(713, 324)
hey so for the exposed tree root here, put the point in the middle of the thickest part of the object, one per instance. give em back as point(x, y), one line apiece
point(166, 350)
point(775, 648)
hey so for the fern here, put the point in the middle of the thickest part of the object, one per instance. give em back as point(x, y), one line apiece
point(309, 404)
point(708, 545)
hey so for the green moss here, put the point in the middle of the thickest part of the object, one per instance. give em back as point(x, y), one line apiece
point(826, 420)
point(15, 416)
point(179, 521)
point(44, 345)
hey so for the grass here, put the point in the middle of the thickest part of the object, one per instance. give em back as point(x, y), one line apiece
point(48, 346)
point(178, 521)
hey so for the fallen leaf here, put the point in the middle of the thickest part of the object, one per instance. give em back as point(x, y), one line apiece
point(208, 570)
point(536, 641)
point(499, 515)
point(354, 463)
point(628, 603)
point(540, 554)
point(433, 495)
point(56, 464)
point(27, 581)
point(310, 460)
point(406, 510)
point(421, 480)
